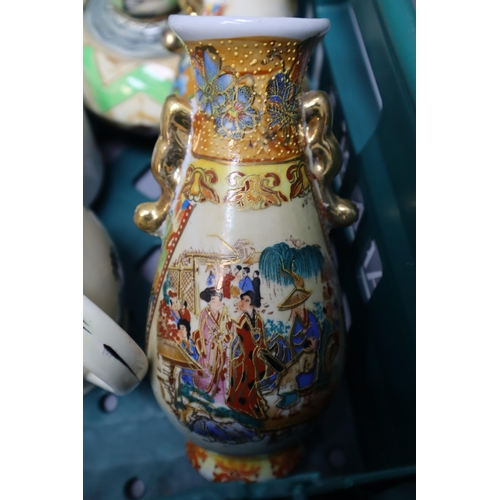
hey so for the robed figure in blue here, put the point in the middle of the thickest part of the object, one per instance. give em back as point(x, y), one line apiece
point(304, 338)
point(185, 341)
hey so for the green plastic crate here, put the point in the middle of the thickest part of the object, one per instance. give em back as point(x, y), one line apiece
point(369, 69)
point(364, 445)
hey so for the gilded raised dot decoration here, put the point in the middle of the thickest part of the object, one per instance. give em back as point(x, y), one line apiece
point(252, 97)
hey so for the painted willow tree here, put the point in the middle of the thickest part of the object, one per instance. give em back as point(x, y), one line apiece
point(306, 262)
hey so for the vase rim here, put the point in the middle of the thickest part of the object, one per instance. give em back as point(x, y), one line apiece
point(190, 28)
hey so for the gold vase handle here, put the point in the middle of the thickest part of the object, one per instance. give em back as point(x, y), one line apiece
point(166, 163)
point(327, 157)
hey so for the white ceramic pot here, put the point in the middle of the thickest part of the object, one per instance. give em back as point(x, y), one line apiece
point(111, 359)
point(127, 72)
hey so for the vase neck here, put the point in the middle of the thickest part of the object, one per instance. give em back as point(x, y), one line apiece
point(248, 93)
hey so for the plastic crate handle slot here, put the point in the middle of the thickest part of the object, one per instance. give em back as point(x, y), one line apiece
point(352, 72)
point(399, 22)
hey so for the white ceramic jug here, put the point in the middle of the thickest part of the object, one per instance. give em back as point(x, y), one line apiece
point(111, 359)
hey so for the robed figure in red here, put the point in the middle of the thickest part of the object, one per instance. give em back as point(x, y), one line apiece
point(246, 366)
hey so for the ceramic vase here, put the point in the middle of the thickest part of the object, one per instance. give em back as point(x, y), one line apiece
point(245, 326)
point(127, 72)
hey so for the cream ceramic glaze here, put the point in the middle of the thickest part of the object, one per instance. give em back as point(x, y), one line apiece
point(111, 359)
point(245, 324)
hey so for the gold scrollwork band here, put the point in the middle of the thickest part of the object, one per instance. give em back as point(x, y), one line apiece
point(246, 187)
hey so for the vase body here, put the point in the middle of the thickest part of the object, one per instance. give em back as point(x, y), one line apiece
point(245, 324)
point(127, 72)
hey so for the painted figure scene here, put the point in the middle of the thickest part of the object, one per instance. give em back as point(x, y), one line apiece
point(245, 349)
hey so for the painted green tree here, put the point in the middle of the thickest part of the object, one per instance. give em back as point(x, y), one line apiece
point(306, 262)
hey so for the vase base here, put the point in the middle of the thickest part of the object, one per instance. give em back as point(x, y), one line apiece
point(223, 468)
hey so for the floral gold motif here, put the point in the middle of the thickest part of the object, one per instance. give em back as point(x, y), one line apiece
point(237, 114)
point(254, 192)
point(300, 185)
point(212, 84)
point(283, 103)
point(222, 95)
point(197, 186)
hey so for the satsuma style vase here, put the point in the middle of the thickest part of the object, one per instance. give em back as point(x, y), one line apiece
point(245, 325)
